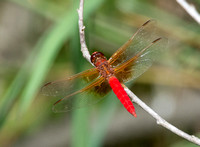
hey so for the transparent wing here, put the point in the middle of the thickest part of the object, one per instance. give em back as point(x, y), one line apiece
point(140, 39)
point(141, 61)
point(74, 96)
point(68, 85)
point(81, 98)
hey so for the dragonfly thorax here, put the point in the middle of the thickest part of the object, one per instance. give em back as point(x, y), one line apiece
point(105, 70)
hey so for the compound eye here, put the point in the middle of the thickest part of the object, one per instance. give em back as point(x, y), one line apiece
point(96, 55)
point(93, 57)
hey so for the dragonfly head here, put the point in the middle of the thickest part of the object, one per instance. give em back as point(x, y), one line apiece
point(97, 58)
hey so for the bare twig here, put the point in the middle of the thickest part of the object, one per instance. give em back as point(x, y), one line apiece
point(190, 10)
point(160, 120)
point(134, 98)
point(84, 48)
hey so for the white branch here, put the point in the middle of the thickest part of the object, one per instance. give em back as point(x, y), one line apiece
point(190, 10)
point(84, 48)
point(159, 119)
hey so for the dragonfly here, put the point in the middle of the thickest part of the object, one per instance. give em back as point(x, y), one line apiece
point(130, 61)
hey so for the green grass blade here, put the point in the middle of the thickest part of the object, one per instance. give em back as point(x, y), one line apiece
point(48, 51)
point(103, 121)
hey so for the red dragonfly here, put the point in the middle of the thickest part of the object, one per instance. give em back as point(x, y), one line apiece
point(127, 63)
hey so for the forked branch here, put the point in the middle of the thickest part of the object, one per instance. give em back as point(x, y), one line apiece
point(160, 120)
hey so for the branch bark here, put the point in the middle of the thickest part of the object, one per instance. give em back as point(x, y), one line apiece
point(84, 48)
point(160, 120)
point(134, 98)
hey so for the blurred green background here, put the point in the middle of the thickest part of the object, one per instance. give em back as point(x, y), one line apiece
point(39, 42)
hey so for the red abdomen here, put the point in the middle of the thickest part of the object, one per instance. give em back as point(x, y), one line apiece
point(121, 95)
